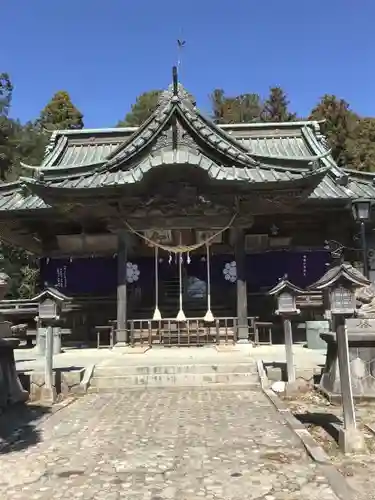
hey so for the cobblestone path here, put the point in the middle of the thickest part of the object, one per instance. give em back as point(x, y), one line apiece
point(160, 445)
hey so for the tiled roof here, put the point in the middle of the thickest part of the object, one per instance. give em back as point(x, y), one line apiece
point(85, 154)
point(84, 147)
point(344, 270)
point(256, 174)
point(248, 145)
point(251, 153)
point(93, 148)
point(292, 147)
point(330, 189)
point(327, 189)
point(17, 201)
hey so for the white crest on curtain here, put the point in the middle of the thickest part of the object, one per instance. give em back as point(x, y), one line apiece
point(132, 272)
point(230, 271)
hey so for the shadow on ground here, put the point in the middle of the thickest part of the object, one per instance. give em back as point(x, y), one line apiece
point(327, 421)
point(18, 427)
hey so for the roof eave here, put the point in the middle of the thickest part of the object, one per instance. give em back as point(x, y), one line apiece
point(257, 125)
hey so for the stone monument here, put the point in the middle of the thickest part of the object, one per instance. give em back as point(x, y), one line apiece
point(11, 390)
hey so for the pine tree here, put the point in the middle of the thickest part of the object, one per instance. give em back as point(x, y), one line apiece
point(244, 108)
point(338, 125)
point(17, 263)
point(60, 113)
point(276, 107)
point(7, 127)
point(6, 91)
point(217, 99)
point(360, 146)
point(141, 110)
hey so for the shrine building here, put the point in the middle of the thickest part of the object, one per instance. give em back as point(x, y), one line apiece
point(176, 230)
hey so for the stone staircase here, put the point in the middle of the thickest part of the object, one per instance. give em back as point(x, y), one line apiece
point(127, 377)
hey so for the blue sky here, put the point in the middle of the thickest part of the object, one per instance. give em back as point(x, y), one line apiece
point(105, 53)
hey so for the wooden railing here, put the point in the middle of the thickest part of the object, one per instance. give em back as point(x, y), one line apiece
point(27, 306)
point(195, 331)
point(20, 307)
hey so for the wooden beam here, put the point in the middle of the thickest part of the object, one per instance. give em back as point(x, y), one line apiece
point(28, 242)
point(121, 336)
point(240, 258)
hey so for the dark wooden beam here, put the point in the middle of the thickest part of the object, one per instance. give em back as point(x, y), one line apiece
point(10, 234)
point(240, 258)
point(121, 336)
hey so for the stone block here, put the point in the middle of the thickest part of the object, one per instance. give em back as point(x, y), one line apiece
point(48, 395)
point(11, 390)
point(360, 326)
point(299, 386)
point(358, 368)
point(64, 382)
point(361, 358)
point(351, 440)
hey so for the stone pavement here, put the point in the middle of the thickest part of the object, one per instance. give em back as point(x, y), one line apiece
point(163, 444)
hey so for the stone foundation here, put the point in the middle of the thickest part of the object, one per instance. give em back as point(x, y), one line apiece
point(65, 383)
point(11, 390)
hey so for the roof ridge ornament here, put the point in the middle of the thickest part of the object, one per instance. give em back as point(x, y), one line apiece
point(175, 93)
point(175, 80)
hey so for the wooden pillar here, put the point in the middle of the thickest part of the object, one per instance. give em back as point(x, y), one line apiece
point(240, 258)
point(121, 334)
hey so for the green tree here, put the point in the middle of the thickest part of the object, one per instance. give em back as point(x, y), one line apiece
point(18, 264)
point(60, 113)
point(7, 127)
point(338, 126)
point(217, 99)
point(276, 106)
point(360, 146)
point(7, 146)
point(6, 90)
point(22, 269)
point(244, 108)
point(27, 143)
point(141, 110)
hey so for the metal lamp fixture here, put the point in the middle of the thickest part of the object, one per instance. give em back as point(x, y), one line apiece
point(361, 209)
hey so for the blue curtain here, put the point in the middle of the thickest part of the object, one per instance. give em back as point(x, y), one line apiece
point(98, 275)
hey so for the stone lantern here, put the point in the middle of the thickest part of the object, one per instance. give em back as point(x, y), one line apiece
point(286, 294)
point(50, 303)
point(11, 390)
point(341, 282)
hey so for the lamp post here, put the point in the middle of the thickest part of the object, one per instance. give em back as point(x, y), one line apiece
point(361, 209)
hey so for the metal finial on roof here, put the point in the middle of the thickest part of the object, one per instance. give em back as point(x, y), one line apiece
point(175, 80)
point(180, 45)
